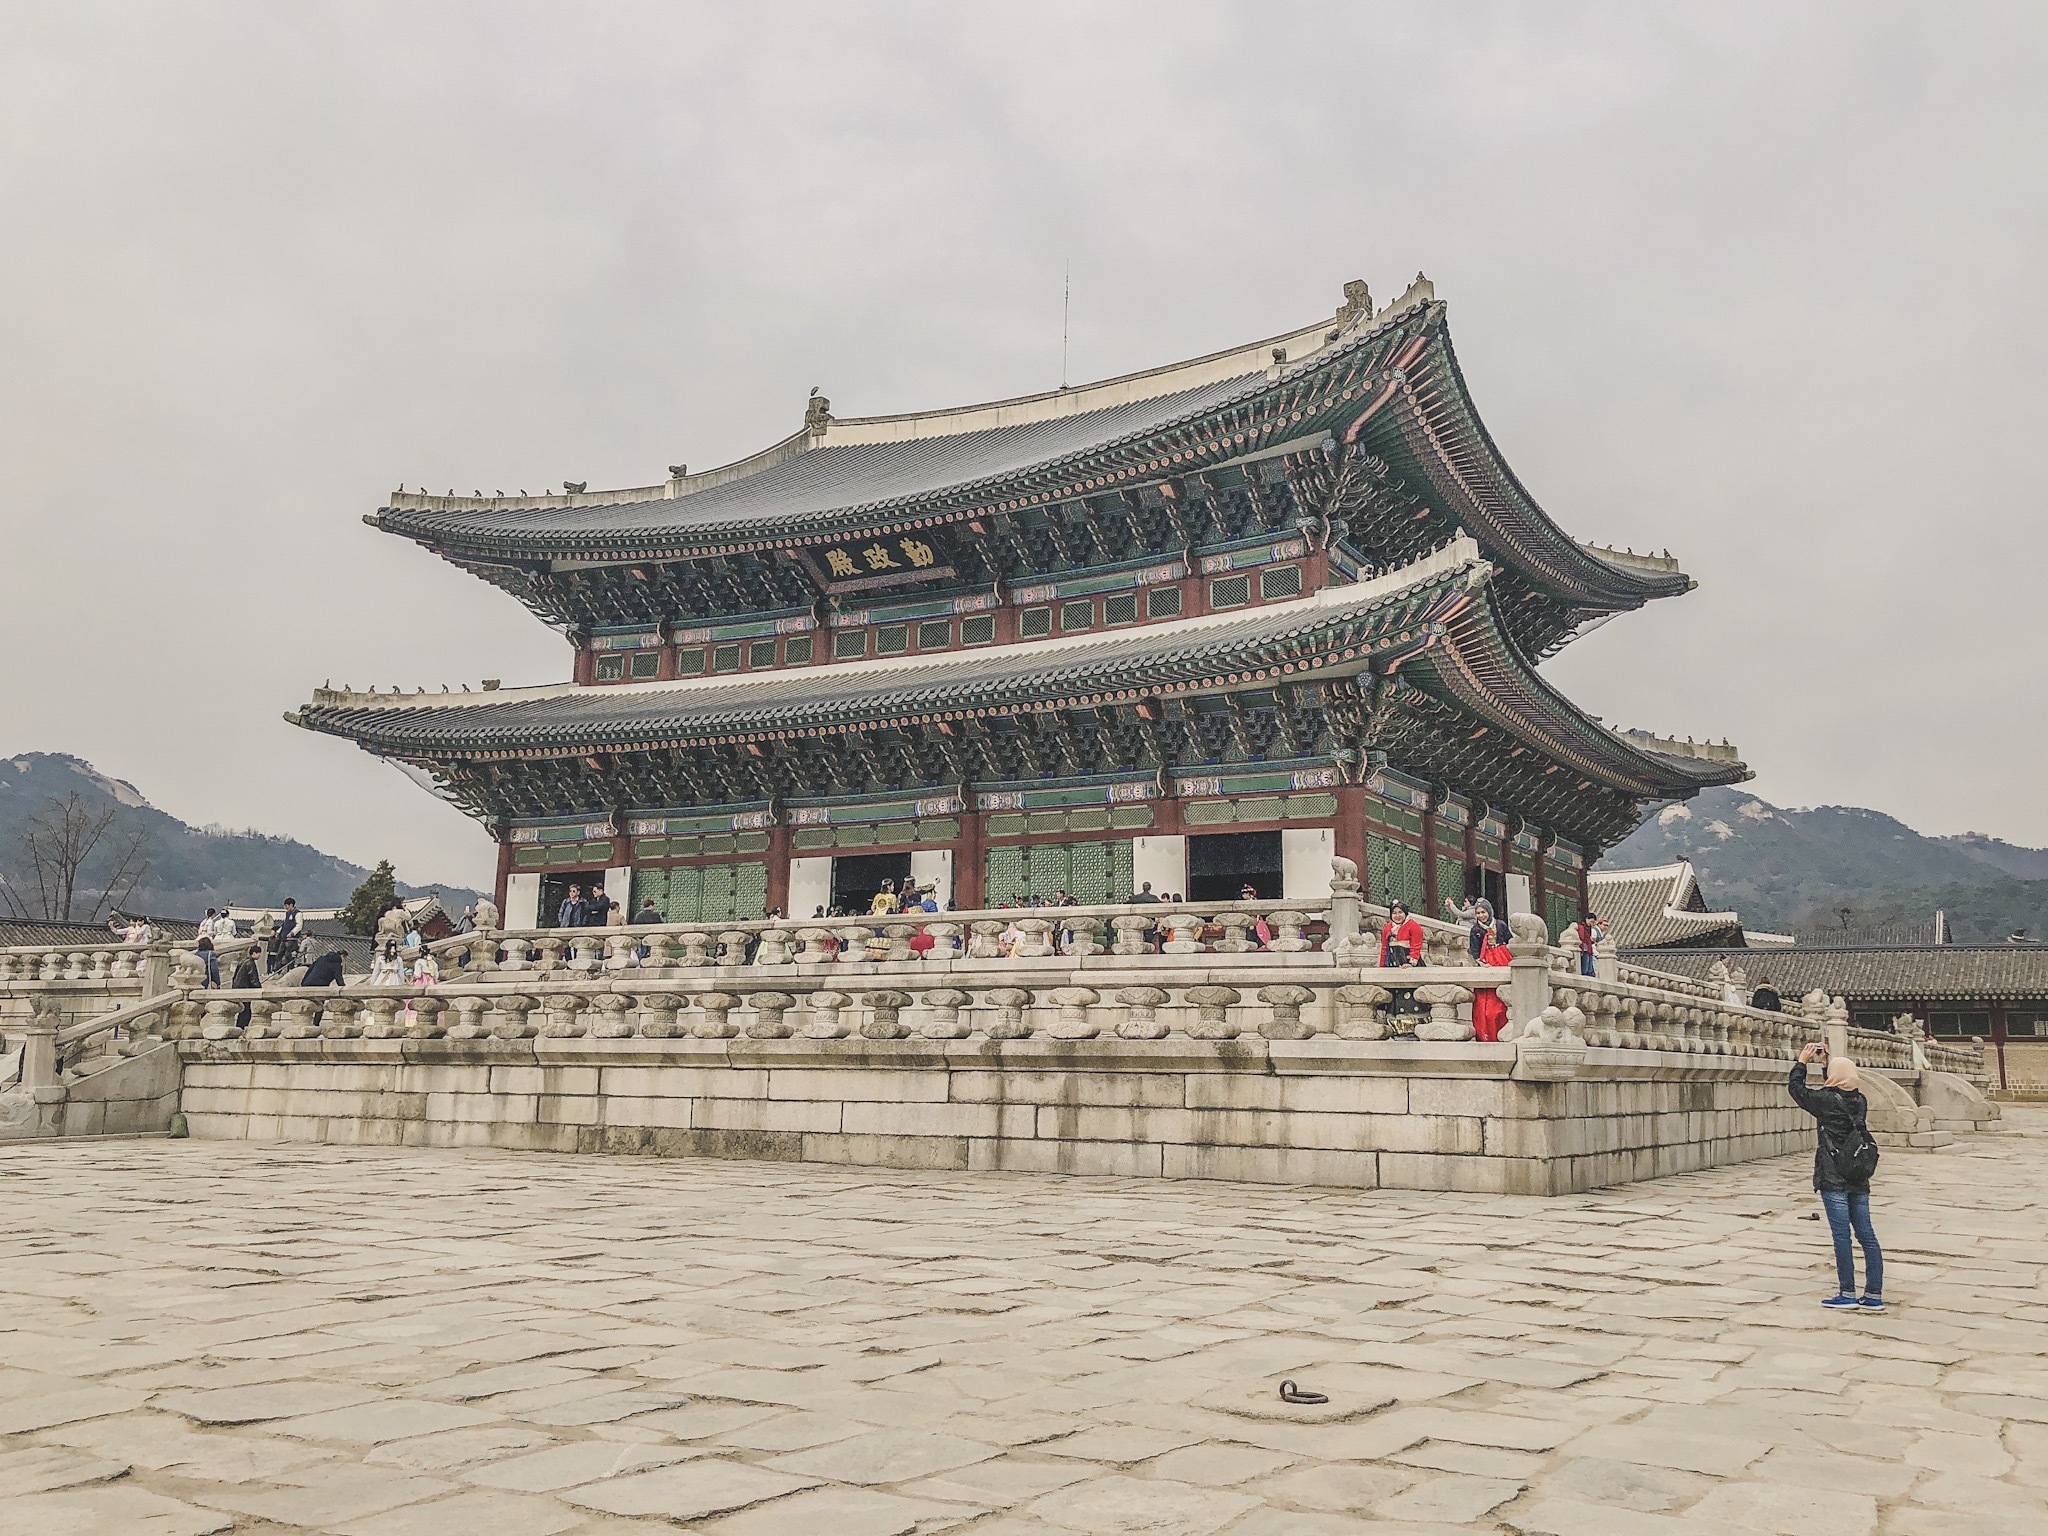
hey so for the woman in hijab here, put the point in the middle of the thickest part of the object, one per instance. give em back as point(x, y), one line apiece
point(1841, 1110)
point(1489, 1013)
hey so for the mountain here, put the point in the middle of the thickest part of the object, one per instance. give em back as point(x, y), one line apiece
point(1797, 870)
point(189, 868)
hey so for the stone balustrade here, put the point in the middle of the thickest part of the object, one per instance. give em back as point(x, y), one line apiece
point(97, 962)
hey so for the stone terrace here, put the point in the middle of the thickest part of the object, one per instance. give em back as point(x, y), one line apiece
point(212, 1337)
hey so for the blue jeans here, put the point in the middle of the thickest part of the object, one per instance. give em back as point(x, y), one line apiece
point(211, 961)
point(1585, 963)
point(1851, 1213)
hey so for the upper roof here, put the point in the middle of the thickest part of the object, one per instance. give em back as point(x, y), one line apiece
point(1935, 973)
point(1385, 381)
point(1412, 617)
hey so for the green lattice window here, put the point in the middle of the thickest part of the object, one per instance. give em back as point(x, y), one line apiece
point(1564, 911)
point(1393, 871)
point(706, 893)
point(1094, 873)
point(1450, 880)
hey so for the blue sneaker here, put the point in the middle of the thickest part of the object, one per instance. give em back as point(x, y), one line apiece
point(1842, 1303)
point(1872, 1303)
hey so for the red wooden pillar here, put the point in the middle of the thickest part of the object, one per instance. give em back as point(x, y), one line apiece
point(1539, 870)
point(1585, 891)
point(585, 669)
point(504, 870)
point(969, 862)
point(778, 869)
point(1431, 897)
point(1350, 833)
point(1471, 848)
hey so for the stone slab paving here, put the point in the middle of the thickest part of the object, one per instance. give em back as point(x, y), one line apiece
point(207, 1337)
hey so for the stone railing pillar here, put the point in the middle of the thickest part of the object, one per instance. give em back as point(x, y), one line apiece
point(383, 1018)
point(1141, 1013)
point(517, 1021)
point(945, 941)
point(1212, 1019)
point(1073, 1022)
point(565, 1019)
point(1287, 936)
point(1286, 1003)
point(1528, 989)
point(1346, 916)
point(1358, 1011)
point(426, 1023)
point(1184, 931)
point(1549, 1048)
point(222, 1020)
point(1036, 940)
point(1009, 1022)
point(469, 1017)
point(715, 1025)
point(658, 1015)
point(943, 1004)
point(1443, 1022)
point(985, 940)
point(773, 948)
point(853, 944)
point(814, 942)
point(883, 1021)
point(770, 1016)
point(1133, 935)
point(612, 1023)
point(823, 1022)
point(1234, 926)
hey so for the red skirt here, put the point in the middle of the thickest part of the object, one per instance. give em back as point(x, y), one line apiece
point(1488, 1014)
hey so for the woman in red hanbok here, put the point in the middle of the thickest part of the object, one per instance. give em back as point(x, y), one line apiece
point(1489, 1013)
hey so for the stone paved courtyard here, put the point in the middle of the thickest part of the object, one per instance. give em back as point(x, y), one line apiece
point(210, 1337)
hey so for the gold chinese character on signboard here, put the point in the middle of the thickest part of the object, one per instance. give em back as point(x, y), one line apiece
point(919, 553)
point(878, 558)
point(840, 563)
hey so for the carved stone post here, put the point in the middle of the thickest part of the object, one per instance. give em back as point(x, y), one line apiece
point(732, 947)
point(1212, 1021)
point(1234, 925)
point(853, 944)
point(301, 1014)
point(1133, 935)
point(1345, 914)
point(715, 1025)
point(426, 1018)
point(696, 949)
point(220, 1021)
point(770, 1022)
point(658, 1015)
point(469, 1017)
point(986, 941)
point(1443, 1022)
point(1073, 1022)
point(516, 1022)
point(882, 1022)
point(1009, 1004)
point(1528, 989)
point(483, 954)
point(944, 1005)
point(773, 948)
point(262, 1013)
point(1184, 931)
point(518, 953)
point(945, 941)
point(547, 954)
point(814, 951)
point(1358, 1011)
point(585, 953)
point(339, 1020)
point(621, 951)
point(823, 1021)
point(1287, 926)
point(612, 1022)
point(1036, 940)
point(565, 1019)
point(1286, 1003)
point(1085, 931)
point(1141, 1013)
point(899, 936)
point(1549, 1048)
point(383, 1023)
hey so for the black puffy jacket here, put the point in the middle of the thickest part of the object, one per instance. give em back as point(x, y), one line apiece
point(1841, 1115)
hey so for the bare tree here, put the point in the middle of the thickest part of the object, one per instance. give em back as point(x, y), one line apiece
point(55, 848)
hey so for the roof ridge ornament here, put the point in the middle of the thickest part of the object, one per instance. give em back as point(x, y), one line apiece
point(817, 412)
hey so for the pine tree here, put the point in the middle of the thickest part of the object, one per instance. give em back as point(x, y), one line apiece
point(372, 899)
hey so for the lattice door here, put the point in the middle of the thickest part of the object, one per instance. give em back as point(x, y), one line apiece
point(1005, 876)
point(750, 891)
point(1088, 873)
point(685, 889)
point(650, 882)
point(715, 906)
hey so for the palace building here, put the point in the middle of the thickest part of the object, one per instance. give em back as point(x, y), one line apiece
point(1201, 627)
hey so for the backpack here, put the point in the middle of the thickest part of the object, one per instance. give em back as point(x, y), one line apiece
point(1855, 1157)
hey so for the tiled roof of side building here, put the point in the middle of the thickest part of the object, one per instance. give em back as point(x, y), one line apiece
point(1937, 973)
point(1657, 906)
point(1331, 634)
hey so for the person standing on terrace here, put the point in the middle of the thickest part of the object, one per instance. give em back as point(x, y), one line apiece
point(1844, 1158)
point(1401, 937)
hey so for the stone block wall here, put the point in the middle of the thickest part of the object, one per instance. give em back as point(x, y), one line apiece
point(1322, 1111)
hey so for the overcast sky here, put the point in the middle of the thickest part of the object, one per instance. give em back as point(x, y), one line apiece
point(1760, 283)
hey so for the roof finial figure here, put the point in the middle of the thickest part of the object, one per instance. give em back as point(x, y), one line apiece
point(1357, 303)
point(677, 471)
point(817, 411)
point(575, 487)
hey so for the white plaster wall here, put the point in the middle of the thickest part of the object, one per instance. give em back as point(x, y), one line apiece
point(933, 867)
point(1161, 860)
point(522, 901)
point(1305, 854)
point(618, 884)
point(1519, 894)
point(810, 885)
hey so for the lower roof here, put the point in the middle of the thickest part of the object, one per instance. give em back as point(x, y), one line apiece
point(1428, 617)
